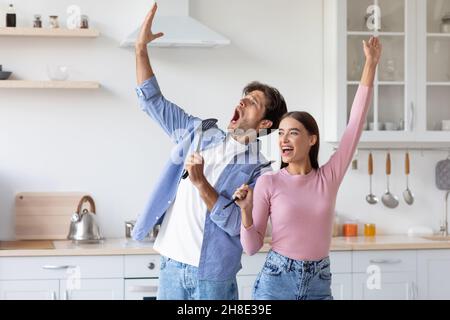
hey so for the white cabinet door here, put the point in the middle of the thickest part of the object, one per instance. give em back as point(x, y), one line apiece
point(29, 290)
point(387, 286)
point(245, 286)
point(141, 289)
point(433, 278)
point(92, 289)
point(341, 286)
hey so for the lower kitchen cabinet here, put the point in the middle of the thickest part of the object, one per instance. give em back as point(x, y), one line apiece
point(245, 286)
point(391, 286)
point(433, 277)
point(29, 290)
point(341, 286)
point(384, 275)
point(141, 289)
point(360, 275)
point(92, 289)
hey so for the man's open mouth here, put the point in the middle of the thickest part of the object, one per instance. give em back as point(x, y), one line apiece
point(236, 116)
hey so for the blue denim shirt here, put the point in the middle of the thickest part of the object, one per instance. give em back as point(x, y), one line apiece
point(220, 257)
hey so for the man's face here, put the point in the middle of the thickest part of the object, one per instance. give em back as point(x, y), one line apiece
point(249, 113)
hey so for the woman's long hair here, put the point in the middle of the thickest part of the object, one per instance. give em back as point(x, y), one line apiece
point(310, 125)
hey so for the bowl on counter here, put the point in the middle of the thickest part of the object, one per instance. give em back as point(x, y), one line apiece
point(4, 75)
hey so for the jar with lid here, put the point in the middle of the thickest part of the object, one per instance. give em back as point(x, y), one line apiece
point(53, 22)
point(84, 22)
point(445, 25)
point(37, 23)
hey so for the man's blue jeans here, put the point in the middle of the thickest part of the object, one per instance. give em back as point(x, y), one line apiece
point(178, 281)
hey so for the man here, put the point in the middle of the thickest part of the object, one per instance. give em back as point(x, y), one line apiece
point(199, 238)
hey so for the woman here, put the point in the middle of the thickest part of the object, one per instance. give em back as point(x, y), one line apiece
point(300, 201)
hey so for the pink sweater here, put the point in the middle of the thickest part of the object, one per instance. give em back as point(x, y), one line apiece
point(301, 207)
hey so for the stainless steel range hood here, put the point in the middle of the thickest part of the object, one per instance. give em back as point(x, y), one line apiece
point(180, 30)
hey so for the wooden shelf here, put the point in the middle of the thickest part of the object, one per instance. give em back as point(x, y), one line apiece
point(438, 35)
point(47, 32)
point(430, 83)
point(373, 33)
point(28, 84)
point(381, 83)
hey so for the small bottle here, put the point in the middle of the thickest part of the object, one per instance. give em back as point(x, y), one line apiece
point(37, 23)
point(53, 22)
point(11, 17)
point(84, 22)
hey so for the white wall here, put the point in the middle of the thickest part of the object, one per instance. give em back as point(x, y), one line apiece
point(101, 143)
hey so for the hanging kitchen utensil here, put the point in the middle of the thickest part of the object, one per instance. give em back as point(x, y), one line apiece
point(205, 125)
point(443, 174)
point(371, 198)
point(407, 194)
point(388, 199)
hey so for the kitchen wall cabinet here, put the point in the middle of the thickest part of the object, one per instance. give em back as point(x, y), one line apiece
point(432, 274)
point(412, 86)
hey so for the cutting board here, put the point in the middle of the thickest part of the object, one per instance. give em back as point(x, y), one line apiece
point(42, 216)
point(26, 245)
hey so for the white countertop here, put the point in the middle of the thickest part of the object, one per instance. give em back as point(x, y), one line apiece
point(122, 246)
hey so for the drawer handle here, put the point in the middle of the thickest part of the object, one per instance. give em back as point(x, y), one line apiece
point(385, 261)
point(144, 289)
point(151, 266)
point(49, 267)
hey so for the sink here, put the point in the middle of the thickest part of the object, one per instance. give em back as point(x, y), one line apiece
point(437, 238)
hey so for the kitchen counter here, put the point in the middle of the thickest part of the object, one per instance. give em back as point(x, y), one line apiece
point(122, 246)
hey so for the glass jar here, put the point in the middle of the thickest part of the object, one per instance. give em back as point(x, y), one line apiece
point(370, 230)
point(84, 22)
point(37, 23)
point(53, 22)
point(350, 229)
point(445, 25)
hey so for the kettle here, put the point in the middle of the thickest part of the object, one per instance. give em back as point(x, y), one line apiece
point(83, 225)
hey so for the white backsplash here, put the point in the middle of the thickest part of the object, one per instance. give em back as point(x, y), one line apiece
point(100, 142)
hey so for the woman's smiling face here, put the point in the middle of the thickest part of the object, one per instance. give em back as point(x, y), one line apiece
point(294, 140)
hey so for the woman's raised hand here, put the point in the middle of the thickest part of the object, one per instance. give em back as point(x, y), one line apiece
point(372, 50)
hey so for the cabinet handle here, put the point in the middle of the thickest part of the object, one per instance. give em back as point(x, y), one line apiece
point(385, 261)
point(143, 289)
point(50, 267)
point(413, 293)
point(411, 117)
point(151, 266)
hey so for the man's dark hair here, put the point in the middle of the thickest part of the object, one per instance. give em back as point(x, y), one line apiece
point(275, 107)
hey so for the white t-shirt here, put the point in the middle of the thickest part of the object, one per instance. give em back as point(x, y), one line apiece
point(181, 234)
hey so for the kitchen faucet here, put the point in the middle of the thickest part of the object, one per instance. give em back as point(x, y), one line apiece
point(444, 227)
